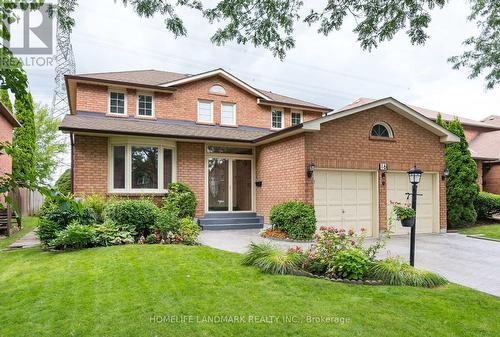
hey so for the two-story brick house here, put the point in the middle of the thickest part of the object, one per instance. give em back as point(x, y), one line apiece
point(243, 150)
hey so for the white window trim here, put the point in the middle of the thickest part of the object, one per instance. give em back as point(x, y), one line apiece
point(128, 142)
point(121, 91)
point(211, 111)
point(234, 114)
point(384, 124)
point(296, 112)
point(223, 93)
point(282, 118)
point(145, 93)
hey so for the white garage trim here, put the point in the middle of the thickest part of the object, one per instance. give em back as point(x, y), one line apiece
point(374, 198)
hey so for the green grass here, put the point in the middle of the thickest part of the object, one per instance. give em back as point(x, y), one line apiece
point(28, 224)
point(115, 291)
point(490, 231)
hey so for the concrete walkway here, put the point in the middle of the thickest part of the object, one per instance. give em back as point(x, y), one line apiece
point(467, 261)
point(27, 241)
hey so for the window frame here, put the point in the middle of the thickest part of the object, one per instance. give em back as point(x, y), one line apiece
point(223, 93)
point(145, 93)
point(273, 109)
point(300, 114)
point(125, 105)
point(234, 113)
point(386, 126)
point(211, 111)
point(128, 143)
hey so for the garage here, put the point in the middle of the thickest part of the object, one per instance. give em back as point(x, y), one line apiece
point(345, 199)
point(427, 203)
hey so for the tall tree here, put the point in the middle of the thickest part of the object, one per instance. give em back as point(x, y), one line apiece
point(50, 146)
point(461, 184)
point(23, 160)
point(5, 99)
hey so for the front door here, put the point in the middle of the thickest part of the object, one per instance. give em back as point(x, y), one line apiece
point(229, 184)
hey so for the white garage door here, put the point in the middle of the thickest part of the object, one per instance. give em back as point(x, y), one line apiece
point(398, 185)
point(344, 199)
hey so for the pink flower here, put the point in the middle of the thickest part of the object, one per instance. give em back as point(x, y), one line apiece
point(363, 229)
point(351, 232)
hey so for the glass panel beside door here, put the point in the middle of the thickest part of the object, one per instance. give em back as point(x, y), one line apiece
point(229, 185)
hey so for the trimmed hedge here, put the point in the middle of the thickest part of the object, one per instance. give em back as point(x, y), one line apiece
point(139, 215)
point(487, 204)
point(296, 218)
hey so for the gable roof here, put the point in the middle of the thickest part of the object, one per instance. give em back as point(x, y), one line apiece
point(485, 146)
point(431, 114)
point(9, 116)
point(168, 81)
point(396, 106)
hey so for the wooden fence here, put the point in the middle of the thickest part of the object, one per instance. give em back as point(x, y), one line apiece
point(27, 201)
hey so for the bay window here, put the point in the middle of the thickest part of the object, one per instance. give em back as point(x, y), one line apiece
point(136, 167)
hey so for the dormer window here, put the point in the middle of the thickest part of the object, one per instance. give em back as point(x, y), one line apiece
point(117, 102)
point(217, 89)
point(382, 130)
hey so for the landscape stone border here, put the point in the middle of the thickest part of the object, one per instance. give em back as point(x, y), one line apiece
point(287, 240)
point(359, 282)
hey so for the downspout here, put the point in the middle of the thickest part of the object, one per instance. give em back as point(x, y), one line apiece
point(72, 141)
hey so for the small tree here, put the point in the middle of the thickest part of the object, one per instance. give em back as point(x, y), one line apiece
point(49, 143)
point(63, 183)
point(461, 185)
point(23, 159)
point(5, 99)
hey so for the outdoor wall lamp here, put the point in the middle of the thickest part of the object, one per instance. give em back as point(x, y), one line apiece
point(414, 174)
point(310, 169)
point(446, 173)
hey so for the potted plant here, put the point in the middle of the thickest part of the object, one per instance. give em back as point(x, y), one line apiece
point(405, 214)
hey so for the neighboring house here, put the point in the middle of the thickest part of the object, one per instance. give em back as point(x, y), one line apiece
point(243, 150)
point(7, 124)
point(484, 143)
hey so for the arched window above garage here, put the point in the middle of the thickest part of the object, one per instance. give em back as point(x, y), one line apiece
point(217, 89)
point(381, 129)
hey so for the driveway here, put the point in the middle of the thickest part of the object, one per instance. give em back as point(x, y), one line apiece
point(470, 262)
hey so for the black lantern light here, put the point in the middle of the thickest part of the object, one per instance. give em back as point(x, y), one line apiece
point(446, 173)
point(310, 169)
point(414, 174)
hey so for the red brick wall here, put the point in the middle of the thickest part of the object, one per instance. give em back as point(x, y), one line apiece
point(182, 104)
point(281, 167)
point(479, 164)
point(90, 165)
point(5, 136)
point(491, 178)
point(345, 144)
point(191, 170)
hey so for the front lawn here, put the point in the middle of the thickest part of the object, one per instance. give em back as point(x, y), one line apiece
point(29, 223)
point(136, 290)
point(490, 231)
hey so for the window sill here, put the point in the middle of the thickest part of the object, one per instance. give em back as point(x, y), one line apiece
point(135, 193)
point(276, 129)
point(153, 118)
point(116, 115)
point(229, 125)
point(383, 139)
point(205, 123)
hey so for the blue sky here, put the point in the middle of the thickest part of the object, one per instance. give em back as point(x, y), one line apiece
point(329, 70)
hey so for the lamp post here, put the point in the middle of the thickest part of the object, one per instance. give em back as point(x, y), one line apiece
point(414, 174)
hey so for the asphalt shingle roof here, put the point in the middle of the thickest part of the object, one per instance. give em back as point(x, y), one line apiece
point(98, 122)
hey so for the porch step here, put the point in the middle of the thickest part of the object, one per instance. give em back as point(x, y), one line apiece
point(226, 221)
